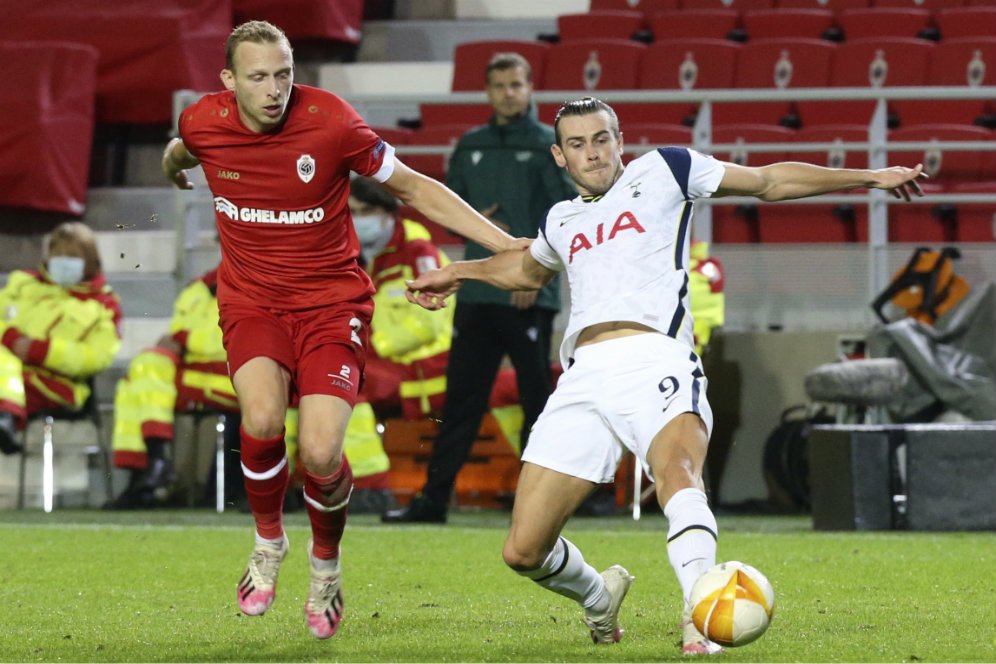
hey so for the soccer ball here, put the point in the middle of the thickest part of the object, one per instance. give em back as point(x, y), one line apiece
point(732, 604)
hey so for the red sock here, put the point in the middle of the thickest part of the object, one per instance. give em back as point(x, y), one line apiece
point(327, 500)
point(264, 468)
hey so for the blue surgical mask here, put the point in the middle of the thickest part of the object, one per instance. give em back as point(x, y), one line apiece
point(66, 270)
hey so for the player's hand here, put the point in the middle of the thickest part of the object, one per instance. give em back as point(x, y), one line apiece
point(517, 244)
point(430, 289)
point(524, 299)
point(173, 171)
point(900, 181)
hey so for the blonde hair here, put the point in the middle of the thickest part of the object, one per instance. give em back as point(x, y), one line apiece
point(76, 239)
point(256, 32)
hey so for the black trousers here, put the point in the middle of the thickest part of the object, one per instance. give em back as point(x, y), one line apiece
point(483, 334)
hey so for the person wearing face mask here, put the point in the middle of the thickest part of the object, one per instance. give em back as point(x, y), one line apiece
point(60, 326)
point(406, 368)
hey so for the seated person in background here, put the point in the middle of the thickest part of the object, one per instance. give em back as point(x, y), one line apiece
point(185, 371)
point(59, 326)
point(406, 367)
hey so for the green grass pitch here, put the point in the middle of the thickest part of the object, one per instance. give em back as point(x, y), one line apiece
point(160, 587)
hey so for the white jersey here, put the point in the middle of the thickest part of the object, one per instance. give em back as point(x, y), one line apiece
point(626, 253)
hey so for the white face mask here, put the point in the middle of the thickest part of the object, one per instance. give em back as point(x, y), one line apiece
point(369, 228)
point(66, 270)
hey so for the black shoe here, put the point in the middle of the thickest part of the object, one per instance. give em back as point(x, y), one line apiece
point(8, 435)
point(419, 510)
point(371, 501)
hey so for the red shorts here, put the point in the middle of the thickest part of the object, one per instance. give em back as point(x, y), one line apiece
point(324, 349)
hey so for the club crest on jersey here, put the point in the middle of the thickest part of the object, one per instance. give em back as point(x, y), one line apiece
point(581, 242)
point(305, 168)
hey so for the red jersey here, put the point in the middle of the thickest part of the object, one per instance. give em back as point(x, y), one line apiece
point(280, 198)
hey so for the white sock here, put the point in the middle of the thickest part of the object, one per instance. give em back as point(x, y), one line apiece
point(691, 537)
point(273, 543)
point(330, 566)
point(566, 573)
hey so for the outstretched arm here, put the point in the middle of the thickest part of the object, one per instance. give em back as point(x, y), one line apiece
point(791, 179)
point(441, 205)
point(176, 160)
point(510, 270)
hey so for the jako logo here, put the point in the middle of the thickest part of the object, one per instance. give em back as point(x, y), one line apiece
point(625, 221)
point(257, 216)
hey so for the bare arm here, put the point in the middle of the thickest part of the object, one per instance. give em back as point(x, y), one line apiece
point(442, 206)
point(513, 270)
point(176, 160)
point(792, 179)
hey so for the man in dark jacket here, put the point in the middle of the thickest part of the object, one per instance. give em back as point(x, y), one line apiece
point(505, 170)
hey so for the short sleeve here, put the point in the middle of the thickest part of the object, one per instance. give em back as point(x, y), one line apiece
point(697, 175)
point(705, 175)
point(544, 253)
point(362, 150)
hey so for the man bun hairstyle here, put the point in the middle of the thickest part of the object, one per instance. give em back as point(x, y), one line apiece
point(584, 106)
point(256, 32)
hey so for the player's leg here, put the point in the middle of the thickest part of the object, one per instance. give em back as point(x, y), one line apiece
point(330, 348)
point(261, 358)
point(328, 483)
point(677, 456)
point(262, 386)
point(534, 548)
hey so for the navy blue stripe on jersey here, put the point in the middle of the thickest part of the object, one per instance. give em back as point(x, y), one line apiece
point(679, 313)
point(695, 394)
point(542, 231)
point(542, 225)
point(680, 163)
point(679, 243)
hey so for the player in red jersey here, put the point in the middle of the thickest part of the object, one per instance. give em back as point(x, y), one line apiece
point(294, 305)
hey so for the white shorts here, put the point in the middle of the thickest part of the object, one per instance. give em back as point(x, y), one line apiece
point(617, 396)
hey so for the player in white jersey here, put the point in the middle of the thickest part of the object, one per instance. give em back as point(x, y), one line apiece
point(634, 381)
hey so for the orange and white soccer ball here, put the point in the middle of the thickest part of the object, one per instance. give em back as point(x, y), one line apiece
point(732, 604)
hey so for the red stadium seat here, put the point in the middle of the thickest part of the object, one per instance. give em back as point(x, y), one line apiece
point(599, 25)
point(796, 223)
point(918, 4)
point(954, 62)
point(470, 59)
point(694, 24)
point(955, 22)
point(747, 134)
point(776, 23)
point(648, 7)
point(980, 3)
point(883, 22)
point(738, 5)
point(687, 64)
point(594, 64)
point(831, 157)
point(433, 165)
point(647, 137)
point(947, 167)
point(442, 115)
point(922, 223)
point(735, 224)
point(835, 6)
point(393, 135)
point(868, 62)
point(976, 221)
point(775, 63)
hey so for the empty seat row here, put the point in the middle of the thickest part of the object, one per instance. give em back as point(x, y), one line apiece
point(649, 7)
point(951, 170)
point(726, 23)
point(691, 64)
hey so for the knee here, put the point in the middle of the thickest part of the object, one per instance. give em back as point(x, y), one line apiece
point(263, 421)
point(522, 559)
point(320, 455)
